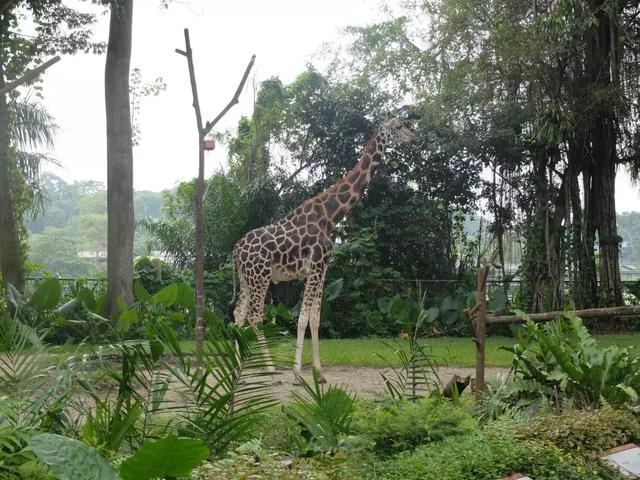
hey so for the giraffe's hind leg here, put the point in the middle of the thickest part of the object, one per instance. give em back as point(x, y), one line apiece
point(310, 314)
point(241, 311)
point(257, 293)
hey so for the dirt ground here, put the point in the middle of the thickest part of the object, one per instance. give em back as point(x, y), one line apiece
point(366, 382)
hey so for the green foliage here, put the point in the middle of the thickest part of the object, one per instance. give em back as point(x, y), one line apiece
point(72, 220)
point(366, 287)
point(562, 360)
point(584, 431)
point(47, 294)
point(223, 395)
point(323, 415)
point(168, 457)
point(394, 426)
point(71, 459)
point(481, 456)
point(280, 432)
point(154, 274)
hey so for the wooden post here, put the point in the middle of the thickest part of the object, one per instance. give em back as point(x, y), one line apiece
point(478, 320)
point(480, 326)
point(203, 131)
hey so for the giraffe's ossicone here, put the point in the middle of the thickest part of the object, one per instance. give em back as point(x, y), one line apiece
point(300, 244)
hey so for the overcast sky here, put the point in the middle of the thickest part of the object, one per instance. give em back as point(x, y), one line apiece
point(284, 35)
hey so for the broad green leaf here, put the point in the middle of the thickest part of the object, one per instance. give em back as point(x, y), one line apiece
point(122, 305)
point(167, 296)
point(167, 457)
point(47, 295)
point(140, 292)
point(127, 318)
point(71, 459)
point(86, 296)
point(185, 298)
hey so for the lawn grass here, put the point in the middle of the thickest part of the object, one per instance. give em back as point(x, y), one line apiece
point(450, 351)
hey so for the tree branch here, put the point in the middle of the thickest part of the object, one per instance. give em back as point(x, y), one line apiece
point(234, 100)
point(28, 76)
point(192, 76)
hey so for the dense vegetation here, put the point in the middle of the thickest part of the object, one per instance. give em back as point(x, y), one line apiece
point(525, 111)
point(156, 414)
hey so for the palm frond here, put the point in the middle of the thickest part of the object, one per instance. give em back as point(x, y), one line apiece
point(323, 415)
point(31, 125)
point(225, 390)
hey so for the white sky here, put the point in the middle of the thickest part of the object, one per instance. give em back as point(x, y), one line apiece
point(283, 34)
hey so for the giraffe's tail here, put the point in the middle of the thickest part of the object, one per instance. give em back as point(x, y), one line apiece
point(231, 306)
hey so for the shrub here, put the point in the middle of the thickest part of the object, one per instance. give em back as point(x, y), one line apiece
point(398, 425)
point(589, 431)
point(281, 433)
point(562, 360)
point(484, 457)
point(154, 274)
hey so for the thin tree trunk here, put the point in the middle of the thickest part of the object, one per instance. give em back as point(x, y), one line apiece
point(199, 246)
point(11, 254)
point(119, 157)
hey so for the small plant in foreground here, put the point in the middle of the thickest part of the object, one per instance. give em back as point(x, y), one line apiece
point(323, 415)
point(398, 425)
point(584, 431)
point(481, 456)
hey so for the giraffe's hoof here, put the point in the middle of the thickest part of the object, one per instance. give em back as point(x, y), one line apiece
point(321, 378)
point(276, 383)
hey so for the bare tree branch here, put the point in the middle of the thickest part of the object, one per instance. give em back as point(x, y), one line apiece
point(28, 76)
point(235, 98)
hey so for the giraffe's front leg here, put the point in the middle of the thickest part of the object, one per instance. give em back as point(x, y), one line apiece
point(258, 291)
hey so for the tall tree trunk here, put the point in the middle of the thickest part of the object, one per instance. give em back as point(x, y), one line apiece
point(11, 254)
point(119, 157)
point(608, 241)
point(601, 68)
point(534, 258)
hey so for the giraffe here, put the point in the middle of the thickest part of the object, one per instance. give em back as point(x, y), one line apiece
point(299, 245)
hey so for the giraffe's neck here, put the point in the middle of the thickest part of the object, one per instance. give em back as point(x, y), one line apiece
point(340, 198)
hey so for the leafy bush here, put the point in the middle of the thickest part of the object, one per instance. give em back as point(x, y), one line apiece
point(584, 431)
point(154, 274)
point(282, 433)
point(323, 415)
point(480, 456)
point(561, 360)
point(398, 425)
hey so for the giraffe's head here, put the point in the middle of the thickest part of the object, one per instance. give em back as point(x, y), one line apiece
point(396, 132)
